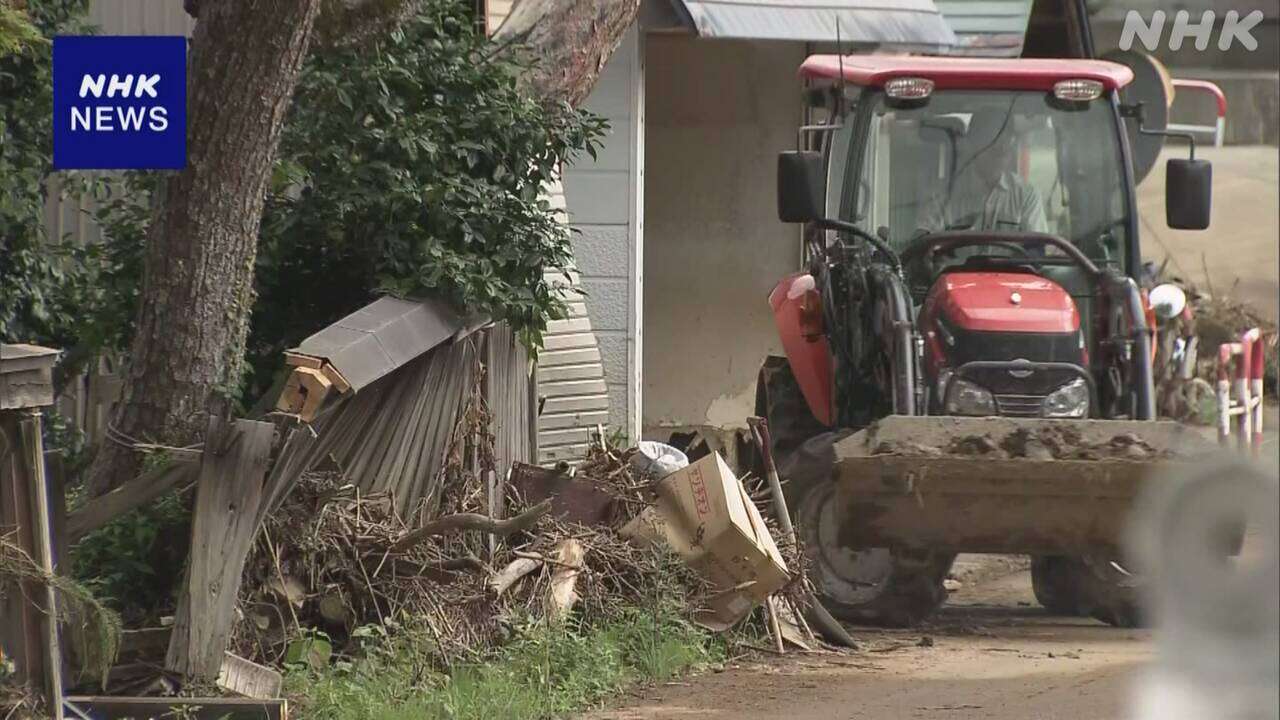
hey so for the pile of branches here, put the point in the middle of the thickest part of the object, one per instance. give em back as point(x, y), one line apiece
point(333, 560)
point(328, 562)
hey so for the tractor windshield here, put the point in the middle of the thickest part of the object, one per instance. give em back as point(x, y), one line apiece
point(1001, 162)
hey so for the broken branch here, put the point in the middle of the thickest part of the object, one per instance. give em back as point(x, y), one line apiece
point(460, 522)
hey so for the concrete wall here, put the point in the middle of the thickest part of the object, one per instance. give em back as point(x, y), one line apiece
point(718, 112)
point(605, 200)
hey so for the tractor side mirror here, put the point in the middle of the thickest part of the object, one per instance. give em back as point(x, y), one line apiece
point(801, 186)
point(1188, 194)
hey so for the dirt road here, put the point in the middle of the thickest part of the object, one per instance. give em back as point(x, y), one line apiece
point(991, 654)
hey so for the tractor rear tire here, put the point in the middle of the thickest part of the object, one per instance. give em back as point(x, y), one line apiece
point(1056, 583)
point(1092, 586)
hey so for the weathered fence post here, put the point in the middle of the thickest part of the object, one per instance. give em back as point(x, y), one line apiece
point(230, 493)
point(26, 385)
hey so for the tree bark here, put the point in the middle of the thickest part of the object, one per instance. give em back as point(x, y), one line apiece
point(198, 279)
point(570, 41)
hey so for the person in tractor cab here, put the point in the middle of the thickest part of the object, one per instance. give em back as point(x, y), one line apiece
point(987, 193)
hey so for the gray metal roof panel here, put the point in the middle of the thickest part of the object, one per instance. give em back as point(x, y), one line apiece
point(883, 22)
point(382, 336)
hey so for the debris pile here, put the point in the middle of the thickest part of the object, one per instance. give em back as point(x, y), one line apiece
point(333, 560)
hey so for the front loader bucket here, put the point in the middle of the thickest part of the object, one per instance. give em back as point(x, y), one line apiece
point(1001, 485)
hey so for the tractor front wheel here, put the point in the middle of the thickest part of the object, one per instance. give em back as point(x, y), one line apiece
point(1056, 584)
point(875, 586)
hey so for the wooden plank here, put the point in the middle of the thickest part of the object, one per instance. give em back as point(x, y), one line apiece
point(33, 457)
point(232, 475)
point(304, 393)
point(300, 360)
point(20, 631)
point(26, 389)
point(134, 494)
point(247, 678)
point(202, 708)
point(339, 382)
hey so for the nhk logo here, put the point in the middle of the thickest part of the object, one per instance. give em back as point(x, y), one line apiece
point(1150, 31)
point(102, 118)
point(119, 102)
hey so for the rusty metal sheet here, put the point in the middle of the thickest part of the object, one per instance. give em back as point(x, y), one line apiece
point(573, 500)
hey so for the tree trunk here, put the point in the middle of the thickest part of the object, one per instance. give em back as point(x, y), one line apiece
point(570, 41)
point(198, 281)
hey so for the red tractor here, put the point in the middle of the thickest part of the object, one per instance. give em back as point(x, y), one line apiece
point(969, 303)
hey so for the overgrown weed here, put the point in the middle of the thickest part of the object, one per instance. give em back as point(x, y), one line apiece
point(544, 672)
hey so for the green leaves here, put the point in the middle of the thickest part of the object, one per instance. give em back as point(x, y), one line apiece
point(409, 164)
point(36, 273)
point(424, 165)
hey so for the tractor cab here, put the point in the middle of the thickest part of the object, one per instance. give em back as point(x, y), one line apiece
point(983, 210)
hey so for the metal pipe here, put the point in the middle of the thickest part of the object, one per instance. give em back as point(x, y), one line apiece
point(817, 615)
point(1143, 382)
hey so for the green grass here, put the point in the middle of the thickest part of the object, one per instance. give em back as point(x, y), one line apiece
point(543, 673)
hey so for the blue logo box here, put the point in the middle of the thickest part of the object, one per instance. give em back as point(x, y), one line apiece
point(119, 102)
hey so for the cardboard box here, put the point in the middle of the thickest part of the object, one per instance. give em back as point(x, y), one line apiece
point(705, 515)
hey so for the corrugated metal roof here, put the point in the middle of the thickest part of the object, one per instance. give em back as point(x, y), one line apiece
point(997, 27)
point(880, 22)
point(382, 336)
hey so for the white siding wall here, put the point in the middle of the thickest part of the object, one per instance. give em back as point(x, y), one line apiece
point(606, 204)
point(589, 373)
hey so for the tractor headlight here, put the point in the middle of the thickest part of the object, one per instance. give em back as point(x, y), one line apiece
point(1069, 401)
point(966, 398)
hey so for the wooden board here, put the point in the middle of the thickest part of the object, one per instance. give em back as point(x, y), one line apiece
point(247, 678)
point(125, 708)
point(232, 476)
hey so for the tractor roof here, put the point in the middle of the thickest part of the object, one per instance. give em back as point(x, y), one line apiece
point(965, 73)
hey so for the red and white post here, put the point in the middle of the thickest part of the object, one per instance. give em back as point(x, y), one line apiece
point(1240, 369)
